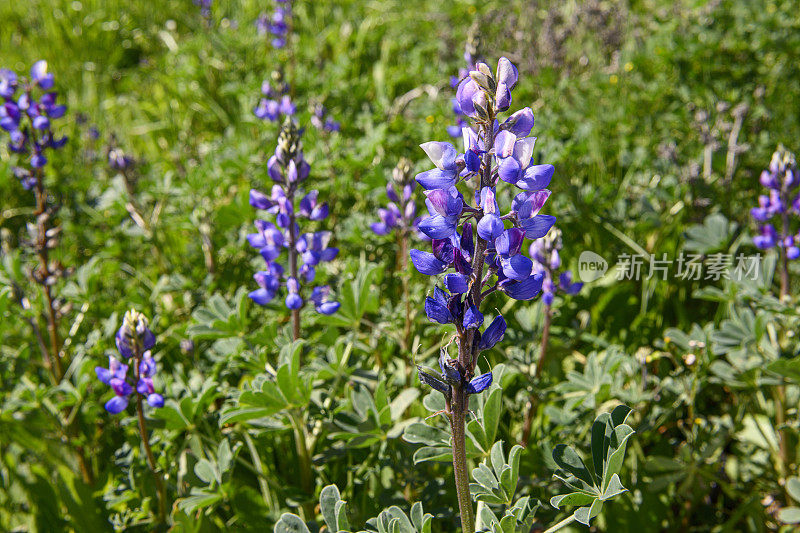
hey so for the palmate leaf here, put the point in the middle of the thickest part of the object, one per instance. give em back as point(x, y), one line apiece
point(496, 479)
point(713, 235)
point(334, 513)
point(591, 487)
point(217, 319)
point(517, 518)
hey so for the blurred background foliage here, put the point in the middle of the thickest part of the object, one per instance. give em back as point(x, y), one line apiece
point(658, 117)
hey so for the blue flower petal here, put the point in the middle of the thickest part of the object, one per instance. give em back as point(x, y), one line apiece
point(427, 263)
point(437, 312)
point(116, 404)
point(517, 267)
point(524, 290)
point(536, 177)
point(493, 334)
point(490, 227)
point(472, 318)
point(538, 226)
point(437, 179)
point(456, 283)
point(479, 384)
point(438, 227)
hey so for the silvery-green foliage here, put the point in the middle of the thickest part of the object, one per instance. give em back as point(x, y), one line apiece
point(334, 513)
point(592, 487)
point(496, 485)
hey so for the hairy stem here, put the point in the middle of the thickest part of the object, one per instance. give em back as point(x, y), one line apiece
point(52, 360)
point(780, 391)
point(44, 273)
point(457, 423)
point(528, 424)
point(151, 461)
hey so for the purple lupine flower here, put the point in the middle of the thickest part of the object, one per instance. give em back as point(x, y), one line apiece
point(29, 121)
point(781, 179)
point(276, 24)
point(134, 341)
point(276, 103)
point(289, 169)
point(205, 8)
point(547, 260)
point(400, 213)
point(490, 246)
point(321, 120)
point(118, 160)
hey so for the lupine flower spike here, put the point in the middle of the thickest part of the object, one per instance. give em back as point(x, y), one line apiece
point(134, 342)
point(476, 246)
point(400, 214)
point(28, 112)
point(781, 180)
point(288, 169)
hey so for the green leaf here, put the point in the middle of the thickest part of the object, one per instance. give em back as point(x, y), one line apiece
point(206, 471)
point(572, 499)
point(328, 498)
point(789, 515)
point(483, 475)
point(619, 439)
point(402, 401)
point(491, 415)
point(613, 488)
point(793, 487)
point(291, 523)
point(584, 515)
point(787, 368)
point(442, 454)
point(421, 433)
point(569, 460)
point(198, 500)
point(342, 524)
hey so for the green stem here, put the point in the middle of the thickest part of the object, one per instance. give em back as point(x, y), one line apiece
point(304, 457)
point(151, 461)
point(457, 423)
point(564, 523)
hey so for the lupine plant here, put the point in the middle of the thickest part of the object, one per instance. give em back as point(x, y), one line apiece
point(289, 169)
point(30, 105)
point(485, 255)
point(28, 123)
point(781, 179)
point(546, 256)
point(135, 341)
point(400, 217)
